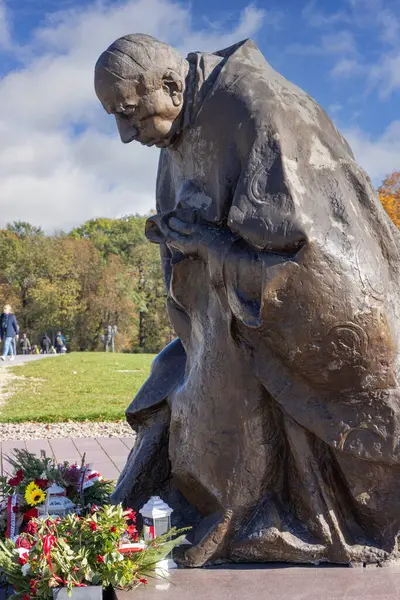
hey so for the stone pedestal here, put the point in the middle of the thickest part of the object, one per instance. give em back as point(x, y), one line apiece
point(273, 583)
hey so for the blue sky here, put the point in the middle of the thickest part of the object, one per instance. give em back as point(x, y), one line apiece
point(60, 158)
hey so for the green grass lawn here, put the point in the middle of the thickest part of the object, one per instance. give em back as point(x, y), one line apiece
point(76, 387)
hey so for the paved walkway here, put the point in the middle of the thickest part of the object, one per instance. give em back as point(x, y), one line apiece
point(24, 358)
point(107, 455)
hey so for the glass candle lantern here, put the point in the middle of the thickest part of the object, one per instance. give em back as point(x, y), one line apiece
point(156, 518)
point(56, 503)
point(157, 521)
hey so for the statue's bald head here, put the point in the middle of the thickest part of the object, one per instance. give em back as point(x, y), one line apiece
point(142, 81)
point(140, 56)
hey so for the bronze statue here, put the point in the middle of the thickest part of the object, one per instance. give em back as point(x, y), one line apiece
point(272, 423)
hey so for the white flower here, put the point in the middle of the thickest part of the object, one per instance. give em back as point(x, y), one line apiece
point(25, 569)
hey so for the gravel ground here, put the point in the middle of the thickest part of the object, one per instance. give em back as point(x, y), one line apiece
point(40, 431)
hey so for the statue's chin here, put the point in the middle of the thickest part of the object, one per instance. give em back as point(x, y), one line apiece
point(163, 143)
point(159, 143)
point(128, 140)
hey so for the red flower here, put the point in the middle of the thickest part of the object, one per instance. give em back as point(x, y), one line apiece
point(92, 525)
point(19, 476)
point(23, 559)
point(143, 580)
point(31, 514)
point(42, 483)
point(15, 509)
point(32, 528)
point(94, 508)
point(75, 569)
point(50, 524)
point(26, 597)
point(131, 515)
point(48, 542)
point(131, 529)
point(33, 586)
point(113, 529)
point(22, 542)
point(99, 558)
point(16, 480)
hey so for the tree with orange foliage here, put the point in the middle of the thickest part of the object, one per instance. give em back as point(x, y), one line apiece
point(389, 195)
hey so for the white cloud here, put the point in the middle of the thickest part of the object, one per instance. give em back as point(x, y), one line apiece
point(379, 19)
point(341, 42)
point(383, 18)
point(378, 155)
point(347, 67)
point(54, 178)
point(385, 75)
point(317, 18)
point(335, 108)
point(390, 26)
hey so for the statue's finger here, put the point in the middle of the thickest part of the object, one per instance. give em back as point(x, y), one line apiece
point(182, 227)
point(181, 243)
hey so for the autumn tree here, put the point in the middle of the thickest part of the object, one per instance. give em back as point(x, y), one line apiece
point(154, 328)
point(113, 236)
point(389, 195)
point(24, 229)
point(113, 302)
point(103, 273)
point(125, 238)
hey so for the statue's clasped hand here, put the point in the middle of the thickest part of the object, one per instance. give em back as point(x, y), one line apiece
point(191, 239)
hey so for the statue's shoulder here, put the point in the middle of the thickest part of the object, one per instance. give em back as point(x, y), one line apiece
point(242, 48)
point(250, 81)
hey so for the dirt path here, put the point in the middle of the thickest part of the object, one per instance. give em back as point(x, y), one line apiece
point(7, 380)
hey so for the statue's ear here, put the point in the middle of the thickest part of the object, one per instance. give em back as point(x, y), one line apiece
point(173, 85)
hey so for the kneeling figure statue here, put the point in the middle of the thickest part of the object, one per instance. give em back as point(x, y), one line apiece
point(271, 424)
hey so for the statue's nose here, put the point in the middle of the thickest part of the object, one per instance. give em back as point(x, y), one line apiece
point(127, 131)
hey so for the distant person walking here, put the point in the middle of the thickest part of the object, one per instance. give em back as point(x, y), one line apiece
point(15, 343)
point(60, 343)
point(113, 334)
point(45, 344)
point(25, 344)
point(8, 331)
point(109, 337)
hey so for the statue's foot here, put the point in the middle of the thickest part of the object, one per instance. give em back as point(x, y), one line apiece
point(207, 548)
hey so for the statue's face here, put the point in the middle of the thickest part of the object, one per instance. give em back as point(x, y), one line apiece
point(149, 117)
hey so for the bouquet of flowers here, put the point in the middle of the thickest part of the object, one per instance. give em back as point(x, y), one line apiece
point(26, 489)
point(81, 551)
